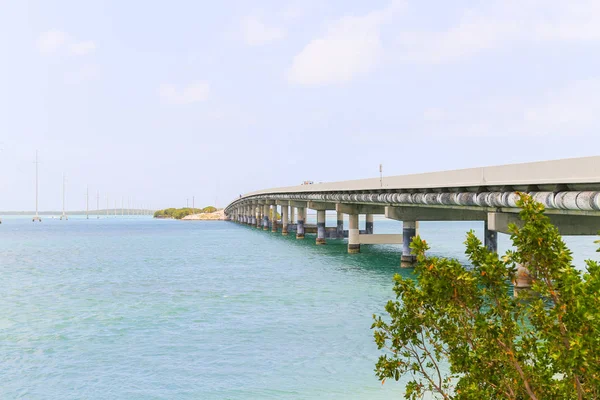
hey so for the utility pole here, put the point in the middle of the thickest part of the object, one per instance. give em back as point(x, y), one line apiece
point(37, 216)
point(122, 201)
point(381, 175)
point(98, 204)
point(187, 203)
point(193, 205)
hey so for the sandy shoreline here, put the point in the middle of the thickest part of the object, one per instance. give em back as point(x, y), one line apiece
point(215, 216)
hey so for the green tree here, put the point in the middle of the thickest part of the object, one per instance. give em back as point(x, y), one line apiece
point(457, 331)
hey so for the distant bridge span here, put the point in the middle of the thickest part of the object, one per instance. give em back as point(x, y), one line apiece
point(568, 188)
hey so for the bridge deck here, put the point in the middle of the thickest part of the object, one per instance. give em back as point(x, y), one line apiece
point(575, 173)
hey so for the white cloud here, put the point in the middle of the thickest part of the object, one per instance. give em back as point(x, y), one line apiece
point(85, 73)
point(502, 22)
point(51, 41)
point(82, 48)
point(351, 46)
point(54, 40)
point(434, 114)
point(568, 111)
point(572, 110)
point(256, 33)
point(193, 93)
point(294, 11)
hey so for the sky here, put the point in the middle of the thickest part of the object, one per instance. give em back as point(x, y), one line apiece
point(159, 102)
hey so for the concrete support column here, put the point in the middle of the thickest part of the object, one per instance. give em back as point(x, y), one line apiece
point(369, 223)
point(408, 233)
point(522, 282)
point(353, 232)
point(490, 239)
point(284, 220)
point(266, 208)
point(340, 225)
point(300, 222)
point(258, 217)
point(274, 218)
point(292, 215)
point(321, 227)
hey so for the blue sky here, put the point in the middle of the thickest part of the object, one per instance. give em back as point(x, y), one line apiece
point(162, 101)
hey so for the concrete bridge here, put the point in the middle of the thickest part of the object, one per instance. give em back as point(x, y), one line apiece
point(569, 189)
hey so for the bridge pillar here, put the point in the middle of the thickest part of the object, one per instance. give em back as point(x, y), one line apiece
point(300, 223)
point(369, 224)
point(340, 225)
point(259, 223)
point(257, 213)
point(274, 218)
point(292, 214)
point(409, 229)
point(321, 227)
point(266, 208)
point(284, 220)
point(490, 238)
point(353, 234)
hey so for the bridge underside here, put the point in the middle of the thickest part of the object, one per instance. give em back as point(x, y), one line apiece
point(573, 212)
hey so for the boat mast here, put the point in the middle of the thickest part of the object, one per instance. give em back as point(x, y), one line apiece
point(64, 215)
point(37, 216)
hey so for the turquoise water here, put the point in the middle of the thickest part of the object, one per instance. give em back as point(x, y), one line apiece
point(153, 309)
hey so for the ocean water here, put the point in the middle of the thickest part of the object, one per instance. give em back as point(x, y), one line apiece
point(136, 308)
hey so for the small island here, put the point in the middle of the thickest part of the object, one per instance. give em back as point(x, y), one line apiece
point(209, 213)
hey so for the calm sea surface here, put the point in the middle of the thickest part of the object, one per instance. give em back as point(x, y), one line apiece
point(157, 309)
